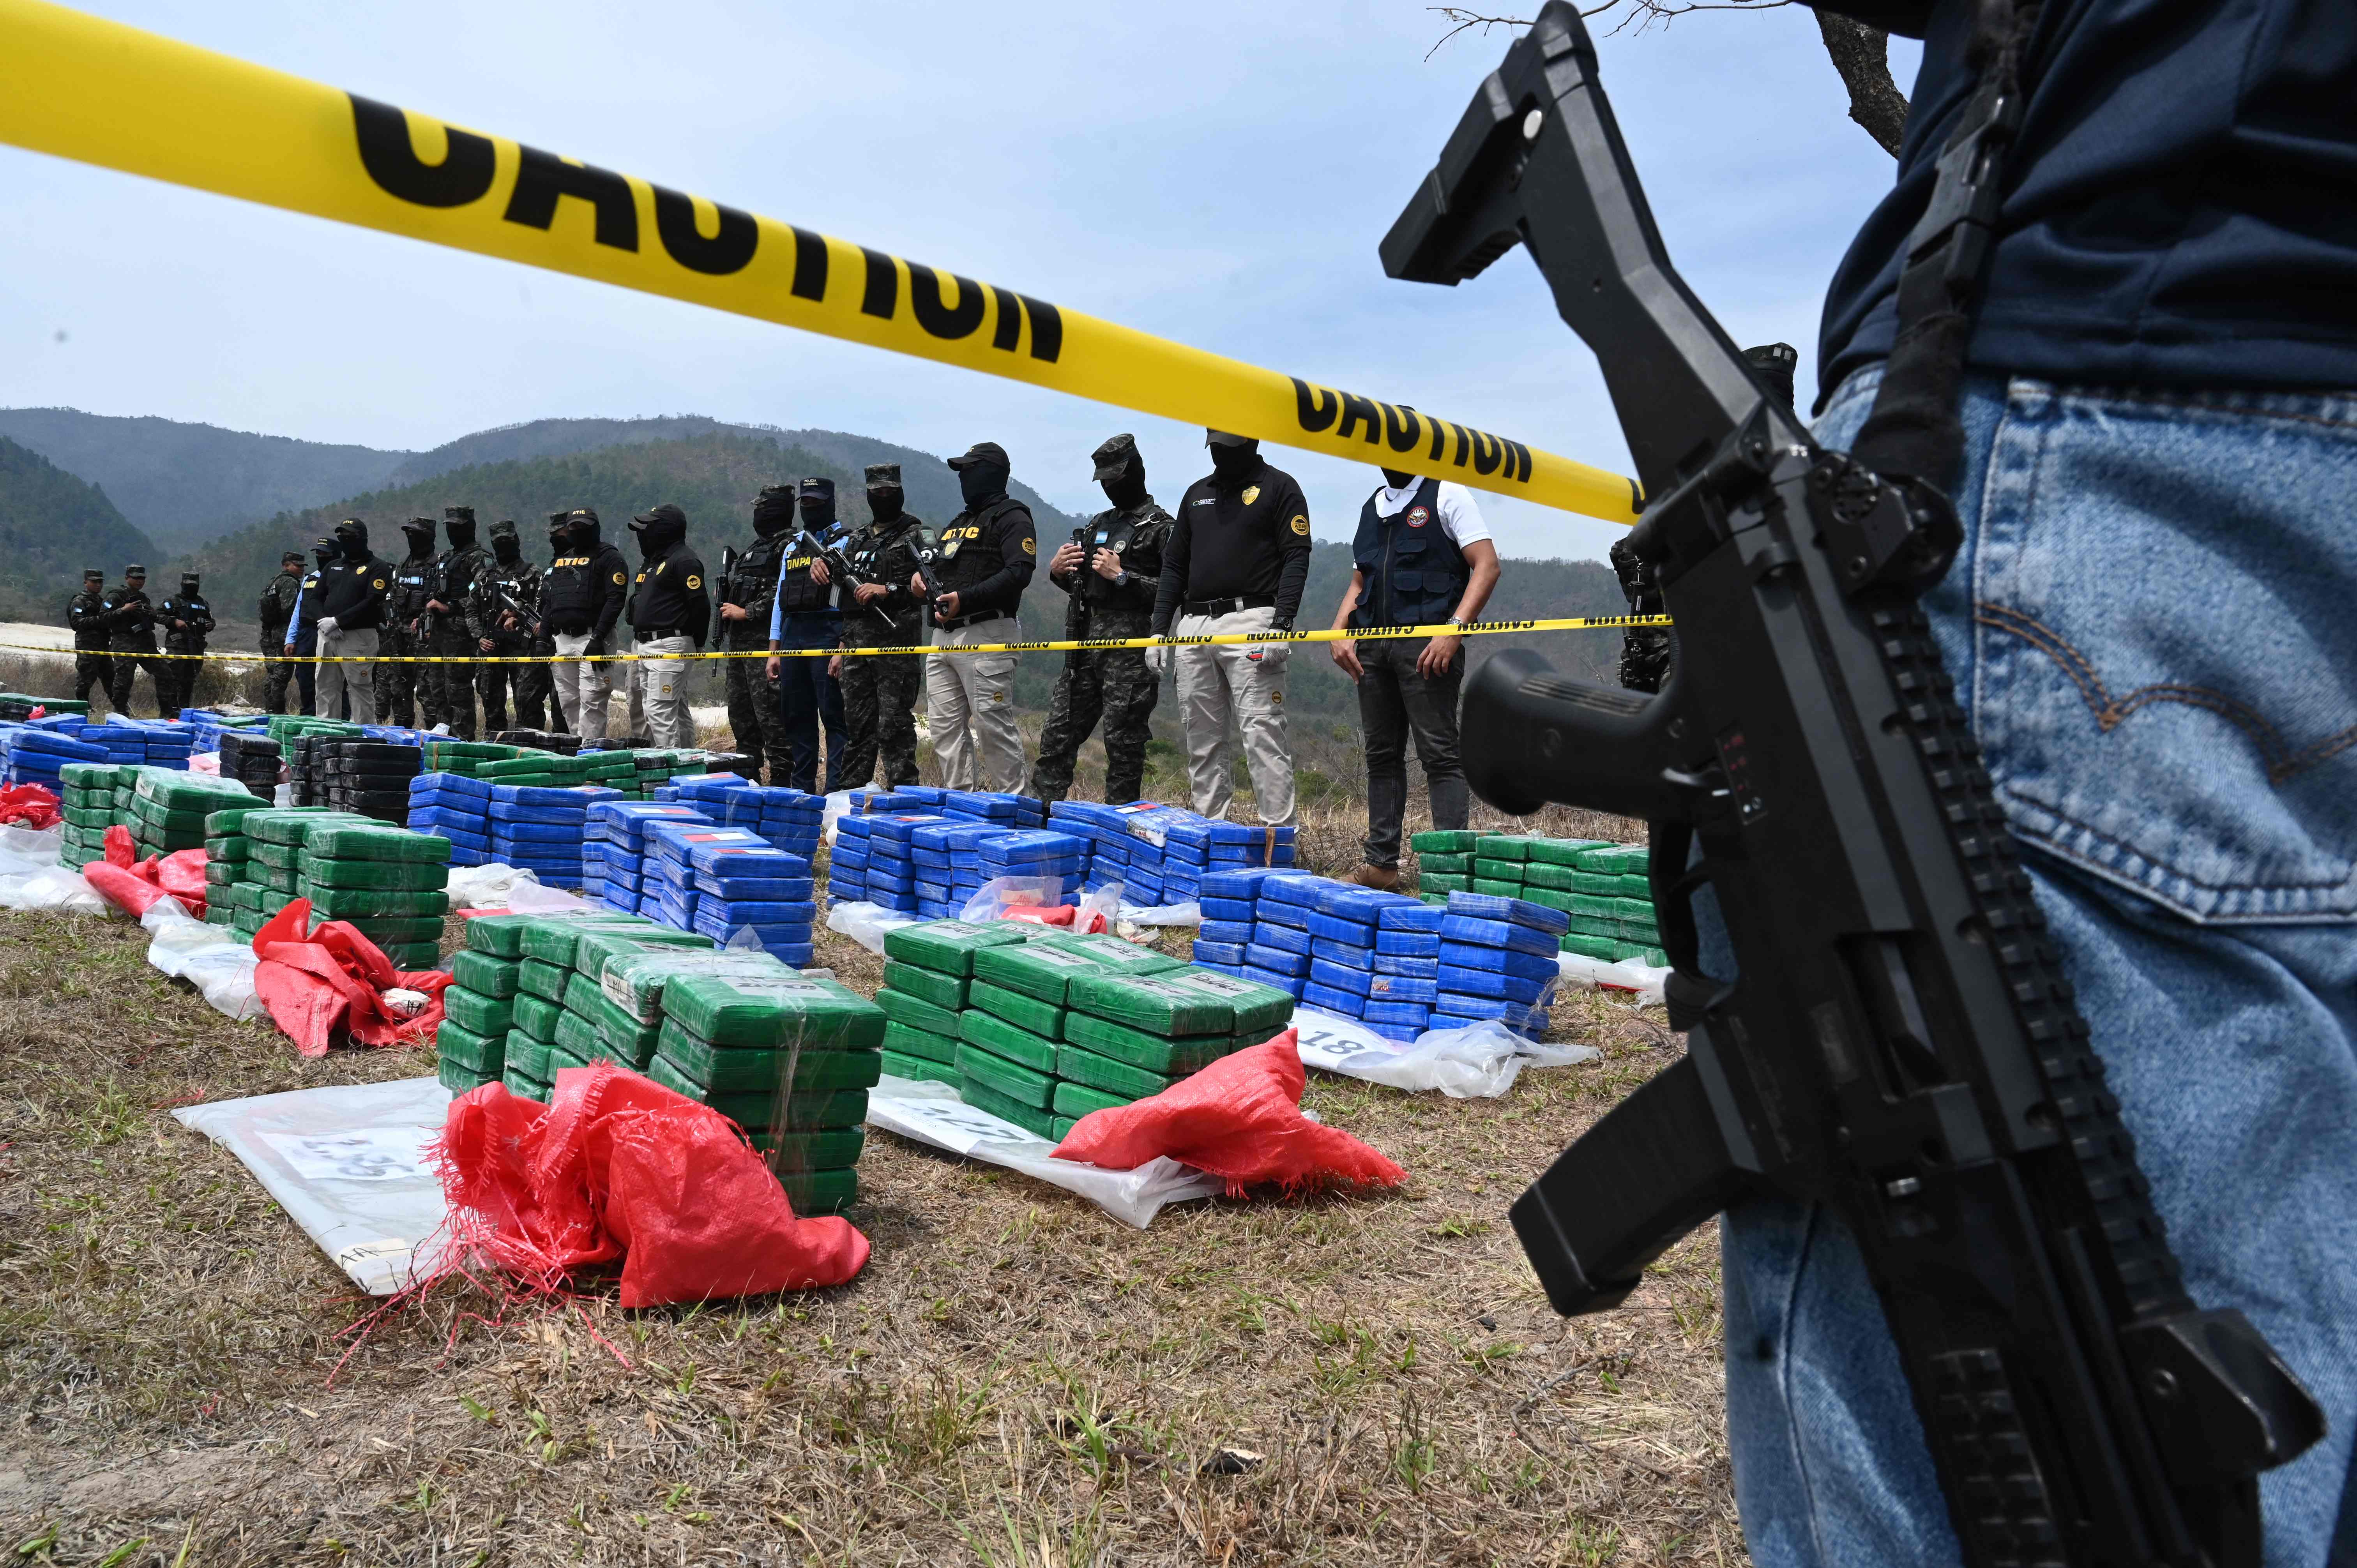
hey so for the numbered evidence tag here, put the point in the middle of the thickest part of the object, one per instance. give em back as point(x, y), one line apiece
point(364, 1153)
point(1327, 1042)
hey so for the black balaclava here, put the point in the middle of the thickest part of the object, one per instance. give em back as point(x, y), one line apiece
point(659, 530)
point(419, 531)
point(981, 483)
point(459, 523)
point(506, 548)
point(189, 584)
point(1232, 462)
point(325, 551)
point(1398, 479)
point(1127, 489)
point(885, 496)
point(773, 510)
point(582, 531)
point(351, 537)
point(556, 532)
point(816, 502)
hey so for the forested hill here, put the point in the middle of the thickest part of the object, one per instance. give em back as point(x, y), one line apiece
point(52, 525)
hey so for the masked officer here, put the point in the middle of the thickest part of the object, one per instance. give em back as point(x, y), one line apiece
point(748, 581)
point(131, 640)
point(1113, 569)
point(1236, 562)
point(276, 609)
point(670, 616)
point(400, 685)
point(457, 639)
point(351, 593)
point(86, 614)
point(187, 620)
point(509, 581)
point(979, 569)
point(581, 601)
point(303, 626)
point(879, 691)
point(803, 614)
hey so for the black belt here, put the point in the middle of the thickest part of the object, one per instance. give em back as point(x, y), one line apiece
point(1228, 606)
point(655, 633)
point(957, 623)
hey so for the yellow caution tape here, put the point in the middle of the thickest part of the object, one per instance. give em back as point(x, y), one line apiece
point(101, 92)
point(1075, 645)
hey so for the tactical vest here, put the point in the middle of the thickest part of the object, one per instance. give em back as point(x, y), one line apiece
point(1119, 531)
point(413, 585)
point(796, 595)
point(886, 553)
point(191, 641)
point(84, 615)
point(968, 550)
point(1413, 572)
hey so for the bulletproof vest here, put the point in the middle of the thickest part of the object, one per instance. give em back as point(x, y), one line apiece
point(969, 549)
point(459, 569)
point(413, 585)
point(755, 571)
point(177, 608)
point(83, 613)
point(577, 582)
point(796, 595)
point(138, 631)
point(1135, 536)
point(1413, 572)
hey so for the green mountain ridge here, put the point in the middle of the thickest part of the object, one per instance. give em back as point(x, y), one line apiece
point(52, 526)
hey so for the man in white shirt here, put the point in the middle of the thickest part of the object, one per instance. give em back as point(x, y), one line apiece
point(1422, 555)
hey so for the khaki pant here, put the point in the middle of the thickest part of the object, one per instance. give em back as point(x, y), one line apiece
point(659, 686)
point(976, 690)
point(359, 680)
point(583, 685)
point(1245, 682)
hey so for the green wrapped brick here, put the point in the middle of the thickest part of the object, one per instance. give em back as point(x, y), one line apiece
point(577, 1034)
point(1444, 840)
point(923, 1069)
point(631, 1039)
point(1060, 1126)
point(382, 842)
point(1602, 925)
point(1486, 869)
point(582, 995)
point(1506, 846)
point(820, 1192)
point(219, 873)
point(1445, 865)
point(528, 1055)
point(1043, 1018)
point(500, 936)
point(1000, 1075)
point(1602, 948)
point(1257, 1007)
point(761, 1111)
point(635, 981)
point(284, 880)
point(1616, 860)
point(100, 817)
point(285, 824)
point(740, 1069)
point(1497, 889)
point(510, 769)
point(552, 940)
point(1594, 907)
point(473, 1010)
point(1158, 1004)
point(1636, 885)
point(469, 1048)
point(536, 1015)
point(542, 980)
point(337, 902)
point(948, 947)
point(157, 817)
point(1443, 882)
point(1115, 1078)
point(170, 788)
point(1563, 852)
point(905, 1040)
point(236, 849)
point(400, 875)
point(1633, 911)
point(229, 821)
point(917, 1013)
point(592, 949)
point(1639, 952)
point(1075, 1100)
point(459, 1078)
point(1012, 1041)
point(1153, 1053)
point(775, 1010)
point(836, 1149)
point(1550, 898)
point(1041, 970)
point(945, 990)
point(575, 1053)
point(479, 971)
point(246, 895)
point(1555, 878)
point(1120, 957)
point(987, 1100)
point(218, 913)
point(1596, 883)
point(277, 856)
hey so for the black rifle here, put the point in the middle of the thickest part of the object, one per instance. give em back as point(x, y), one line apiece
point(1901, 1044)
point(1076, 608)
point(925, 554)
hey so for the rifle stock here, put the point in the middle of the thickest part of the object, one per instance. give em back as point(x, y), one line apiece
point(1898, 1042)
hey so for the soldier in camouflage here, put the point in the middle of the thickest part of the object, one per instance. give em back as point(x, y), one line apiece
point(399, 686)
point(1113, 569)
point(1644, 650)
point(456, 635)
point(276, 609)
point(748, 582)
point(187, 621)
point(508, 632)
point(131, 640)
point(879, 691)
point(86, 614)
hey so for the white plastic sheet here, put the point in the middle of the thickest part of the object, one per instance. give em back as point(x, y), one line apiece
point(1594, 974)
point(1478, 1061)
point(491, 887)
point(347, 1163)
point(533, 899)
point(209, 958)
point(866, 923)
point(31, 879)
point(933, 1114)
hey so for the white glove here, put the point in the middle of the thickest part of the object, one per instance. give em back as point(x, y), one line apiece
point(1156, 657)
point(328, 626)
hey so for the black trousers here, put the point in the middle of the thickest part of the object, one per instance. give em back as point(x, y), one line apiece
point(1397, 702)
point(807, 697)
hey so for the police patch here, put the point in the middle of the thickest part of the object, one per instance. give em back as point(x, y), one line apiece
point(1030, 547)
point(1417, 516)
point(1300, 525)
point(1251, 494)
point(618, 579)
point(694, 581)
point(378, 585)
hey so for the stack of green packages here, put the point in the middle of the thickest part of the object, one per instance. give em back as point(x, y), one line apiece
point(612, 771)
point(168, 808)
point(1017, 1007)
point(788, 1057)
point(1131, 1036)
point(1444, 860)
point(1611, 906)
point(593, 1026)
point(261, 851)
point(1602, 887)
point(87, 791)
point(387, 882)
point(446, 756)
point(543, 769)
point(228, 852)
point(928, 970)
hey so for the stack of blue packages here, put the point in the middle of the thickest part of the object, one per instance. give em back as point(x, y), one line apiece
point(891, 858)
point(205, 726)
point(988, 805)
point(1343, 928)
point(1035, 853)
point(1278, 953)
point(791, 819)
point(35, 754)
point(1497, 960)
point(912, 798)
point(616, 843)
point(455, 807)
point(1406, 983)
point(949, 869)
point(846, 861)
point(544, 829)
point(1193, 847)
point(120, 740)
point(709, 791)
point(667, 888)
point(758, 888)
point(1227, 900)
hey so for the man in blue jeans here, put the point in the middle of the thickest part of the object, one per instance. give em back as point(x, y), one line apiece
point(2153, 624)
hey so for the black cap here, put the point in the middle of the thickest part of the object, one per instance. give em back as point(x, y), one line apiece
point(1115, 455)
point(882, 474)
point(982, 452)
point(135, 570)
point(578, 514)
point(667, 512)
point(1227, 438)
point(326, 544)
point(816, 487)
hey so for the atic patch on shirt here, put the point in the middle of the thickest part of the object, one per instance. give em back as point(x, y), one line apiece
point(378, 585)
point(1251, 494)
point(694, 581)
point(1417, 516)
point(1030, 547)
point(618, 579)
point(1300, 525)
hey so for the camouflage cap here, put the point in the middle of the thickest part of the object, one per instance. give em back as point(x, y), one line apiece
point(504, 528)
point(460, 513)
point(189, 579)
point(90, 572)
point(293, 555)
point(1115, 455)
point(423, 525)
point(557, 518)
point(775, 494)
point(135, 570)
point(879, 474)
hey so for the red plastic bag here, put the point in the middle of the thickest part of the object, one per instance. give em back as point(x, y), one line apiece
point(1041, 915)
point(616, 1166)
point(29, 806)
point(333, 982)
point(134, 885)
point(1241, 1119)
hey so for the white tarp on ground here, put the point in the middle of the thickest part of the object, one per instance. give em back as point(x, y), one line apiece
point(1481, 1060)
point(211, 958)
point(347, 1163)
point(31, 879)
point(933, 1114)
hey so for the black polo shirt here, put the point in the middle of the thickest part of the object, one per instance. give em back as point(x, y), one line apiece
point(1246, 541)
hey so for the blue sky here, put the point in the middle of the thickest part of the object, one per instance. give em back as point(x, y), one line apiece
point(1219, 174)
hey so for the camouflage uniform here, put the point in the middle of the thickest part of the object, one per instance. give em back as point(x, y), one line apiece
point(450, 685)
point(196, 617)
point(750, 581)
point(1113, 683)
point(86, 614)
point(399, 686)
point(131, 640)
point(880, 690)
point(277, 613)
point(1644, 650)
point(521, 580)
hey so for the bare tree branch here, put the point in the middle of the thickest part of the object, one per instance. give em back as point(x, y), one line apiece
point(1862, 55)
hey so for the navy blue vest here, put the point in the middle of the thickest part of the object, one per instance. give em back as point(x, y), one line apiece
point(1413, 572)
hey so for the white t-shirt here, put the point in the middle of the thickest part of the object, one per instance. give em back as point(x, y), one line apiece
point(1459, 518)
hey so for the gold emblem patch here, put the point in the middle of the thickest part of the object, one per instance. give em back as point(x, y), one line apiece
point(378, 585)
point(1300, 525)
point(618, 579)
point(1251, 494)
point(694, 581)
point(1030, 547)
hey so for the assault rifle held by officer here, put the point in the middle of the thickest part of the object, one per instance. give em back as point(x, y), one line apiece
point(1894, 1038)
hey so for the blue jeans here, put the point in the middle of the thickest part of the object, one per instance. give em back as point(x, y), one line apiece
point(807, 694)
point(2153, 625)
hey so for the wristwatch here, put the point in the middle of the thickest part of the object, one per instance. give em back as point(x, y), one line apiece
point(1121, 578)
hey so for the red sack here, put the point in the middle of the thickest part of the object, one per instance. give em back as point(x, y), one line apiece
point(1041, 915)
point(1240, 1118)
point(126, 889)
point(136, 884)
point(617, 1166)
point(332, 980)
point(120, 850)
point(29, 806)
